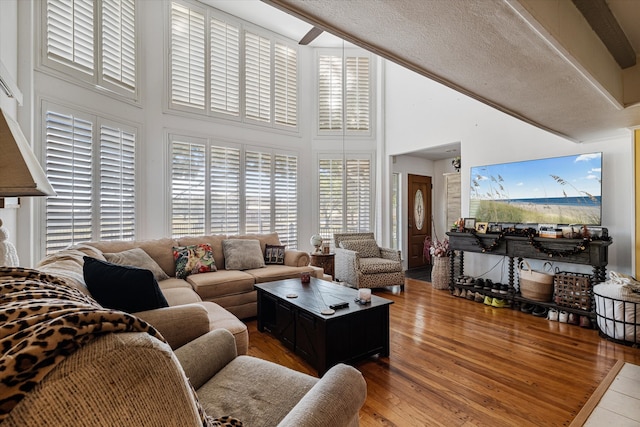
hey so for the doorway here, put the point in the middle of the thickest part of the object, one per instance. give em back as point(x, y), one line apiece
point(419, 221)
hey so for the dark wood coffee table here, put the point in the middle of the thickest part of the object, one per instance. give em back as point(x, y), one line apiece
point(350, 334)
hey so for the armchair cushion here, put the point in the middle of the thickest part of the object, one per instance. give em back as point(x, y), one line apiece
point(366, 248)
point(379, 265)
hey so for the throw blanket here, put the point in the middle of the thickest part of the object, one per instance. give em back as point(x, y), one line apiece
point(42, 321)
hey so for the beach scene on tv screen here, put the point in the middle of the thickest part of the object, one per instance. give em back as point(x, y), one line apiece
point(558, 190)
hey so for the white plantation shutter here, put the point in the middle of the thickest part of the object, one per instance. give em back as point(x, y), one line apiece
point(285, 90)
point(344, 93)
point(225, 190)
point(119, 43)
point(358, 192)
point(286, 199)
point(257, 77)
point(329, 93)
point(257, 179)
point(68, 165)
point(188, 188)
point(117, 184)
point(225, 67)
point(344, 195)
point(331, 196)
point(69, 33)
point(187, 57)
point(357, 97)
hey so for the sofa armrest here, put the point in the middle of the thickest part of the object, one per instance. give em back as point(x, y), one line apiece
point(335, 400)
point(392, 254)
point(178, 324)
point(347, 264)
point(203, 357)
point(296, 258)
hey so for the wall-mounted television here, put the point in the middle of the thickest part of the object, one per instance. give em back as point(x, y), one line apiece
point(557, 190)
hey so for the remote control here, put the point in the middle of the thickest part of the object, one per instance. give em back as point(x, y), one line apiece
point(339, 305)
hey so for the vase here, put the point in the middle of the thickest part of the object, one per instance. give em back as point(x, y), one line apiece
point(440, 273)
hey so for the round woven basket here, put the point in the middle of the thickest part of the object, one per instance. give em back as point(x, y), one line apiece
point(440, 273)
point(535, 285)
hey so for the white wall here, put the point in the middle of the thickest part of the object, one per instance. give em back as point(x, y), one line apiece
point(422, 113)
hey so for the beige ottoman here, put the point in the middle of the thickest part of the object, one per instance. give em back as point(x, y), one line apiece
point(219, 318)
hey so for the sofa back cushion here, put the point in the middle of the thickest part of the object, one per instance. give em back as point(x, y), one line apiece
point(242, 254)
point(366, 248)
point(137, 257)
point(161, 250)
point(264, 239)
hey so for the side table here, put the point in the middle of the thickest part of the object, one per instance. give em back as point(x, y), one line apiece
point(326, 261)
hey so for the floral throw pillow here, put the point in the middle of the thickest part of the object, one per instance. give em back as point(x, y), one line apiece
point(193, 259)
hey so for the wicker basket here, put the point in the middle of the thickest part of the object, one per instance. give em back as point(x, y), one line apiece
point(440, 273)
point(573, 290)
point(535, 285)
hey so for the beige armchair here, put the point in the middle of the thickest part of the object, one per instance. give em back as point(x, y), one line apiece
point(361, 263)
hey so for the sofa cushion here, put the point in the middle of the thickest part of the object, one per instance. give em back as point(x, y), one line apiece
point(193, 259)
point(121, 287)
point(274, 254)
point(379, 265)
point(366, 248)
point(222, 282)
point(242, 254)
point(278, 272)
point(137, 257)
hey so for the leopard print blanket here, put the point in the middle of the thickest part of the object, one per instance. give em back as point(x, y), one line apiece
point(42, 321)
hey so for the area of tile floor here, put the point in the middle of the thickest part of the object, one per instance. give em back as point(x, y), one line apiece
point(620, 404)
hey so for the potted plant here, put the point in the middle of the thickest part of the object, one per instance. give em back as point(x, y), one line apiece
point(456, 163)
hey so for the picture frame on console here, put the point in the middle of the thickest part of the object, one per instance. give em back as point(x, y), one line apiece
point(469, 223)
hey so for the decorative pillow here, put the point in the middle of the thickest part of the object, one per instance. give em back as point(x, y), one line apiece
point(242, 254)
point(122, 287)
point(274, 254)
point(366, 248)
point(137, 257)
point(193, 259)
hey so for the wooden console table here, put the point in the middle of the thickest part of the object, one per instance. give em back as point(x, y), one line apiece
point(594, 254)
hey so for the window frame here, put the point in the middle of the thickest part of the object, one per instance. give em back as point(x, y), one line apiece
point(242, 190)
point(243, 26)
point(97, 121)
point(94, 80)
point(343, 132)
point(368, 155)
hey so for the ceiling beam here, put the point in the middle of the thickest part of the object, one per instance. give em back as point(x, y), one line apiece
point(605, 25)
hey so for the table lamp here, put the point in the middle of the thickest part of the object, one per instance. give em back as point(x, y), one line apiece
point(20, 173)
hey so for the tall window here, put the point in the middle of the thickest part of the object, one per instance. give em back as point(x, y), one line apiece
point(90, 163)
point(344, 195)
point(232, 190)
point(265, 68)
point(94, 41)
point(344, 93)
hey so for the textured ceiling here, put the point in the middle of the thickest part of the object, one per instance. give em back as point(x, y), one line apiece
point(491, 50)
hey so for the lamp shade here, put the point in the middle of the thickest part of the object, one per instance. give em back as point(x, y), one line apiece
point(20, 173)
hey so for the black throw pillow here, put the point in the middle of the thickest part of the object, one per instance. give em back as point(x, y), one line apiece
point(121, 287)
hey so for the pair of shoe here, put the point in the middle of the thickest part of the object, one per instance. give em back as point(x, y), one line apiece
point(500, 303)
point(585, 322)
point(504, 289)
point(478, 297)
point(552, 315)
point(526, 307)
point(456, 292)
point(540, 311)
point(463, 293)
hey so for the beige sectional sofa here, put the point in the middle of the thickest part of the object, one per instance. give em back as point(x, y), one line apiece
point(201, 302)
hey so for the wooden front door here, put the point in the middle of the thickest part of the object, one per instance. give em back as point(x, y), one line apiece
point(419, 209)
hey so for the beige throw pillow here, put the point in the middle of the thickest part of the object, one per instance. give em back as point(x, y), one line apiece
point(137, 257)
point(242, 254)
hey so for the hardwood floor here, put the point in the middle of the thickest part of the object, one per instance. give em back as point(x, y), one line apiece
point(455, 362)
